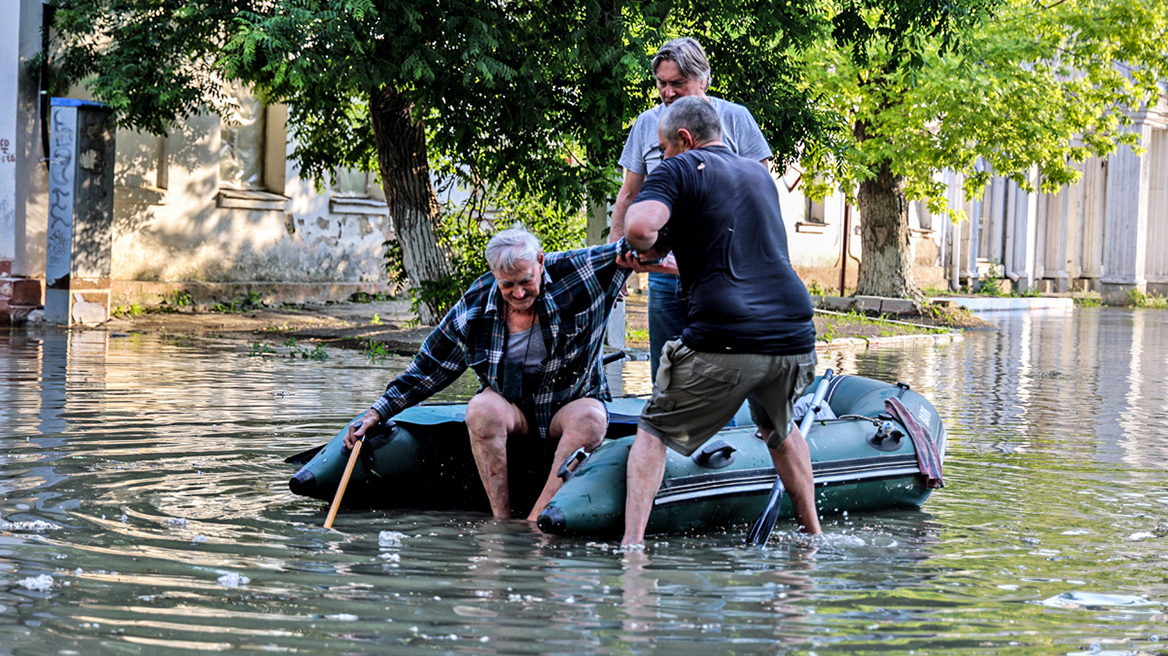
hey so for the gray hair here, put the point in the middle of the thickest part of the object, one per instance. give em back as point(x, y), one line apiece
point(689, 56)
point(695, 115)
point(507, 248)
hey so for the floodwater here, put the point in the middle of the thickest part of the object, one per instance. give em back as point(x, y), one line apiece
point(144, 509)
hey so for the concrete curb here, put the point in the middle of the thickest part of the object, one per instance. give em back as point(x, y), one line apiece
point(892, 341)
point(992, 304)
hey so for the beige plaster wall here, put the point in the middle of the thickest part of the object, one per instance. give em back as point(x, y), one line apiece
point(179, 228)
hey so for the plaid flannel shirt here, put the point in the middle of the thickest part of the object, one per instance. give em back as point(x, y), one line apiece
point(575, 300)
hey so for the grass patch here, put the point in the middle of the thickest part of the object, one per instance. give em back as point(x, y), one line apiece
point(1086, 299)
point(128, 312)
point(236, 306)
point(318, 353)
point(365, 297)
point(375, 350)
point(1139, 299)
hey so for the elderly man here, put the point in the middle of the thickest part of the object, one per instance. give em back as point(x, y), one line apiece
point(680, 69)
point(748, 334)
point(531, 330)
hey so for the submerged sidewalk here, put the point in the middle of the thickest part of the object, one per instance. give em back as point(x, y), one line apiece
point(386, 326)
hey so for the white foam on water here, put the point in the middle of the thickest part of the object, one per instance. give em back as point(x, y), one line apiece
point(1140, 536)
point(1097, 650)
point(390, 539)
point(35, 526)
point(42, 583)
point(1094, 600)
point(343, 617)
point(233, 580)
point(181, 522)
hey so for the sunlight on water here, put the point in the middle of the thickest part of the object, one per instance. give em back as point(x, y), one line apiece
point(144, 506)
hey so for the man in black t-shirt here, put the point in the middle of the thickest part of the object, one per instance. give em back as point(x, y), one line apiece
point(749, 333)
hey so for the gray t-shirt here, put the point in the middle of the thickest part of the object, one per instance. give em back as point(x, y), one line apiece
point(740, 133)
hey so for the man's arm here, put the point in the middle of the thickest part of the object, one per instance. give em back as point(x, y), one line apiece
point(441, 360)
point(624, 199)
point(644, 223)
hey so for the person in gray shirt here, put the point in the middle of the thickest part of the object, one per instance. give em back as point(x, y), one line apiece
point(681, 69)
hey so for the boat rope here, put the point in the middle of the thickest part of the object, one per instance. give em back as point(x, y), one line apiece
point(875, 421)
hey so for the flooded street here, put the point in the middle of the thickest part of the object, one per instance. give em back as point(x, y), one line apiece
point(144, 509)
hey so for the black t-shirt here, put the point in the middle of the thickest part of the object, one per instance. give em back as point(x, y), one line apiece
point(726, 231)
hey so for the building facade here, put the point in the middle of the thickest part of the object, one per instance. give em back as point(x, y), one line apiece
point(216, 211)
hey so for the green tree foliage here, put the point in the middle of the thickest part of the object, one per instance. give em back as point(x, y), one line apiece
point(1008, 89)
point(528, 101)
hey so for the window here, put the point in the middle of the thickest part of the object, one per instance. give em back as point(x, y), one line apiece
point(814, 212)
point(241, 149)
point(355, 183)
point(252, 151)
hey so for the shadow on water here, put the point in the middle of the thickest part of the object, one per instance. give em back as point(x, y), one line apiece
point(144, 508)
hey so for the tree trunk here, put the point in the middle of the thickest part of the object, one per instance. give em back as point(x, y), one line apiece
point(886, 260)
point(413, 205)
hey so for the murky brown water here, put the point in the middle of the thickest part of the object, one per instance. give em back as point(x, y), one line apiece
point(144, 510)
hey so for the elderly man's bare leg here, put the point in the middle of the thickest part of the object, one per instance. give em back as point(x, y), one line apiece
point(792, 460)
point(490, 419)
point(646, 468)
point(580, 424)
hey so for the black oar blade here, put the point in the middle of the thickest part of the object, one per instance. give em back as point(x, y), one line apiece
point(761, 531)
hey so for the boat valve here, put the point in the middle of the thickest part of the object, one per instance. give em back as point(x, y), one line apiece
point(886, 431)
point(577, 458)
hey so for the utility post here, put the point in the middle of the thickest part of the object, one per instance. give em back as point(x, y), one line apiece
point(81, 212)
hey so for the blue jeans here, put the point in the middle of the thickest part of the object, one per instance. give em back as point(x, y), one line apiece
point(666, 315)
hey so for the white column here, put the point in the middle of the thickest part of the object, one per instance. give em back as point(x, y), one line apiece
point(1021, 237)
point(1126, 220)
point(9, 92)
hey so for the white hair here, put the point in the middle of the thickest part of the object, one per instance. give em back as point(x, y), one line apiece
point(507, 248)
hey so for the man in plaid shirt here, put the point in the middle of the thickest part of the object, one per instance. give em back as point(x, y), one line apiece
point(532, 330)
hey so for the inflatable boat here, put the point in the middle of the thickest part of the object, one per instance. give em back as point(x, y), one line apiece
point(882, 449)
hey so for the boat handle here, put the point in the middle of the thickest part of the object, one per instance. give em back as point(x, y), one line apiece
point(578, 457)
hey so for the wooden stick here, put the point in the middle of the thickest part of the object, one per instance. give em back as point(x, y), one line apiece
point(332, 514)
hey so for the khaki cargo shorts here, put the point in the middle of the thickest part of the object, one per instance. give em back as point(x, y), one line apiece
point(697, 393)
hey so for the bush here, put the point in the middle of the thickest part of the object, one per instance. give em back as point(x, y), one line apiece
point(465, 230)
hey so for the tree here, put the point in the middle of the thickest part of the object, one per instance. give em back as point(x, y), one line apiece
point(529, 99)
point(989, 90)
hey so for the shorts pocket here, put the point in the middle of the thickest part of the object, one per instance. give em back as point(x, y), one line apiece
point(804, 376)
point(670, 353)
point(708, 380)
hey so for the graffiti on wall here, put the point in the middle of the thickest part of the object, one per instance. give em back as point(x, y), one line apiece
point(59, 248)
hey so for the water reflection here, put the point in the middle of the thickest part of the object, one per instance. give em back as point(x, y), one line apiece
point(142, 476)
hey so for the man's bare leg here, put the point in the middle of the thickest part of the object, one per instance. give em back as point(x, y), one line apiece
point(646, 468)
point(580, 424)
point(792, 460)
point(490, 419)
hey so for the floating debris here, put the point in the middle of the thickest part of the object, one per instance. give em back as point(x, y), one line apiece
point(42, 583)
point(1140, 536)
point(181, 522)
point(1093, 600)
point(233, 580)
point(390, 539)
point(343, 617)
point(35, 526)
